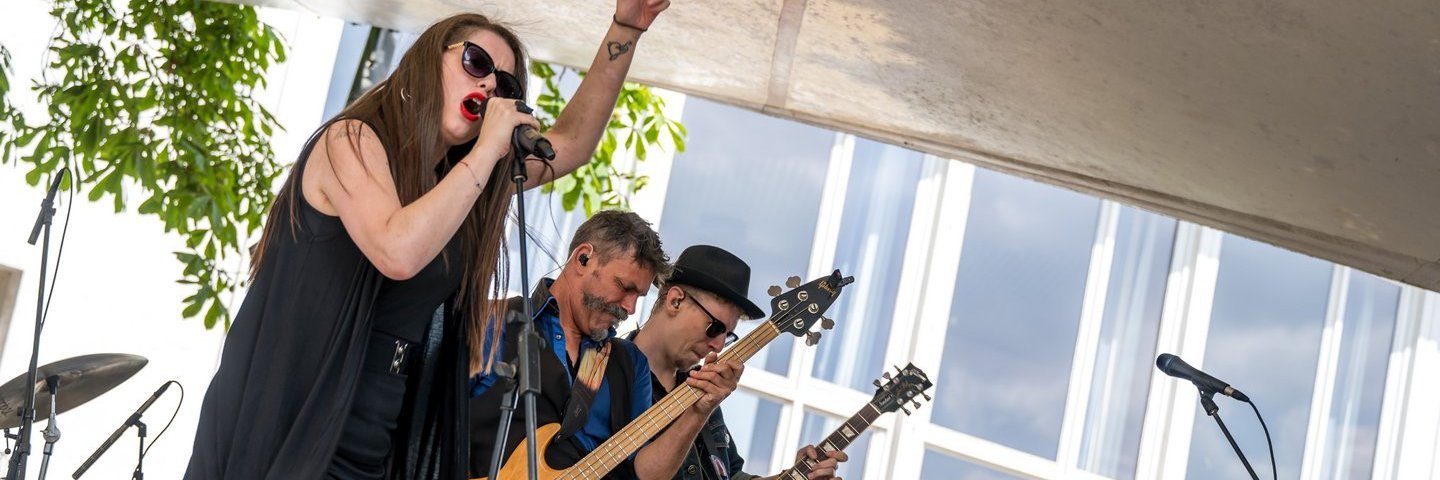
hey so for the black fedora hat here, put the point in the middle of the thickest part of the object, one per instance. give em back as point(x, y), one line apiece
point(719, 272)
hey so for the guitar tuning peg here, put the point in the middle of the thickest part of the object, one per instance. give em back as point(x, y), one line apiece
point(774, 290)
point(926, 395)
point(907, 411)
point(886, 375)
point(877, 383)
point(792, 282)
point(827, 323)
point(812, 338)
point(898, 371)
point(916, 402)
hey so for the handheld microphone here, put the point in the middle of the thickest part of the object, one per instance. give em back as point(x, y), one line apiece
point(1175, 367)
point(533, 143)
point(116, 436)
point(526, 137)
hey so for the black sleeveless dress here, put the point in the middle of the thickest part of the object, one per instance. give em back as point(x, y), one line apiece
point(323, 357)
point(402, 311)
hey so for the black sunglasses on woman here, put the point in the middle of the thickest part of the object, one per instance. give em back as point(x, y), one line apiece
point(478, 64)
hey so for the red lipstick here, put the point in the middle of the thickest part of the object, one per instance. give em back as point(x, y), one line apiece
point(473, 106)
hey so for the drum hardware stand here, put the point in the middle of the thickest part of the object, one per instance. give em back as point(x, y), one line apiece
point(52, 431)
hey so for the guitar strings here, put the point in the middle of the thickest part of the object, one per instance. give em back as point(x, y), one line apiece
point(611, 453)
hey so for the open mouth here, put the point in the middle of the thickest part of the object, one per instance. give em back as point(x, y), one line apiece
point(472, 106)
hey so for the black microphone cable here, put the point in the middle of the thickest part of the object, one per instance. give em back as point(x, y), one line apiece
point(1273, 472)
point(60, 251)
point(172, 416)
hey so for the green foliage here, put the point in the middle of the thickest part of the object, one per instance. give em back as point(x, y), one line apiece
point(8, 114)
point(638, 121)
point(158, 94)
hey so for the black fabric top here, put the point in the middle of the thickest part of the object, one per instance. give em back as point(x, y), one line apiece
point(293, 359)
point(402, 313)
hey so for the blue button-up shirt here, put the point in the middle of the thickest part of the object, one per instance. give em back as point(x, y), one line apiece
point(597, 424)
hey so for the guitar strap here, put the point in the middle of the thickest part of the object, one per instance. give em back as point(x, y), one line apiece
point(582, 392)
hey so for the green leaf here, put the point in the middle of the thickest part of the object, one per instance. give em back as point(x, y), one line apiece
point(191, 310)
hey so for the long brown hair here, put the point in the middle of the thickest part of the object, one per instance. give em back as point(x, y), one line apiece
point(404, 111)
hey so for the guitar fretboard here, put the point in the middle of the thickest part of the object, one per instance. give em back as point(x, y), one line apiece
point(629, 439)
point(838, 440)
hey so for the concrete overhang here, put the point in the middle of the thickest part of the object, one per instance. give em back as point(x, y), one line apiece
point(1309, 124)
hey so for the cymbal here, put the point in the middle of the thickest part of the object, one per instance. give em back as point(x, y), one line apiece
point(82, 379)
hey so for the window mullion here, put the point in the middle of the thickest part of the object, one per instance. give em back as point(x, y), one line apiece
point(1184, 325)
point(1331, 339)
point(1398, 374)
point(1087, 338)
point(932, 315)
point(827, 233)
point(1414, 440)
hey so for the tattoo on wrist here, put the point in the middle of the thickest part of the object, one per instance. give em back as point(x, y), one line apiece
point(617, 49)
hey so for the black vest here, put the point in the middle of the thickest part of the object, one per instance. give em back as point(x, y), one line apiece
point(550, 405)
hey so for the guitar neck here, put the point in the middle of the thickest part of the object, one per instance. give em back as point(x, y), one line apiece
point(642, 429)
point(838, 440)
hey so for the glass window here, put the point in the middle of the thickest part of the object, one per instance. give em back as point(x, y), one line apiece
point(1121, 381)
point(1016, 310)
point(873, 231)
point(753, 422)
point(939, 466)
point(817, 427)
point(549, 229)
point(1370, 307)
point(1264, 339)
point(750, 184)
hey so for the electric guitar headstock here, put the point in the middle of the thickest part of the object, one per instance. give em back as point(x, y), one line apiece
point(795, 311)
point(901, 389)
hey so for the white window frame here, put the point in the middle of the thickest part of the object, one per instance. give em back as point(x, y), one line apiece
point(1184, 326)
point(1407, 444)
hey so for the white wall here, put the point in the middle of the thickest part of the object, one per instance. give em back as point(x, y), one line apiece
point(116, 289)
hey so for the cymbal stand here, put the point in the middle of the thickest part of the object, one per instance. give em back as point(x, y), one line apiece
point(52, 432)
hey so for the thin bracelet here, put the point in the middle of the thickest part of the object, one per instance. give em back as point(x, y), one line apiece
point(472, 173)
point(626, 25)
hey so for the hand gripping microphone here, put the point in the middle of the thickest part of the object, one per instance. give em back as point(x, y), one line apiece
point(1175, 367)
point(529, 139)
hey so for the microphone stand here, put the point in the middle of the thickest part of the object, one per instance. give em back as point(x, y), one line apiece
point(16, 470)
point(528, 358)
point(140, 460)
point(134, 419)
point(1207, 402)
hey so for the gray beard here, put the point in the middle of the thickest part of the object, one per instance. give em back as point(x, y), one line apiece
point(595, 303)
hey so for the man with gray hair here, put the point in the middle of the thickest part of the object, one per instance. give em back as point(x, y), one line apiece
point(614, 258)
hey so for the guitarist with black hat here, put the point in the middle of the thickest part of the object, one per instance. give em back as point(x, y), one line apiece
point(695, 316)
